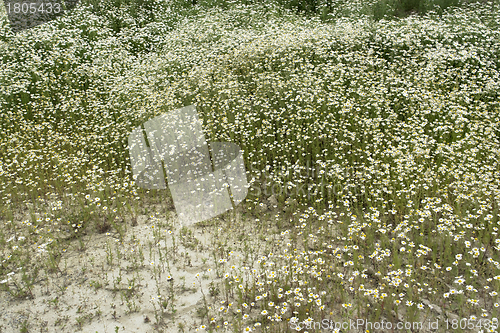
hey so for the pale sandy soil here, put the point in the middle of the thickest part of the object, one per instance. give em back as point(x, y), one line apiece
point(72, 300)
point(70, 295)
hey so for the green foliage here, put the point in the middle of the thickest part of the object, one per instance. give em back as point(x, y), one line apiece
point(326, 9)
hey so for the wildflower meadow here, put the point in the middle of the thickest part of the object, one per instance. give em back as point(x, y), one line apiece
point(370, 133)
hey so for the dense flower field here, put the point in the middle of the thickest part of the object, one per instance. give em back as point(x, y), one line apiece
point(372, 148)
